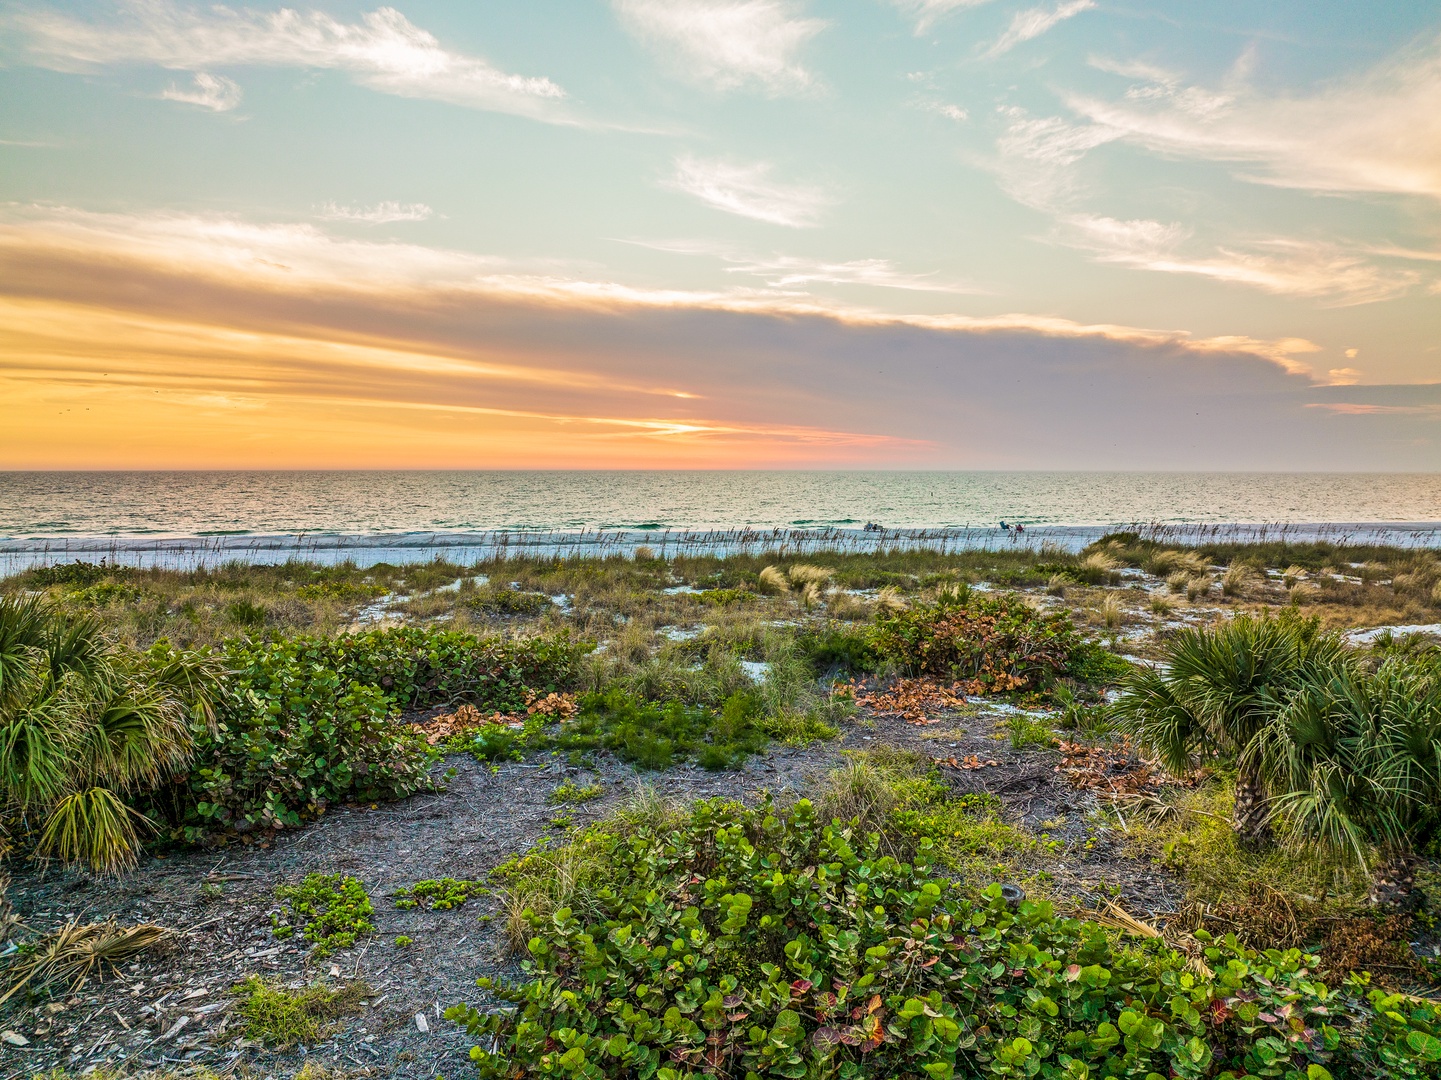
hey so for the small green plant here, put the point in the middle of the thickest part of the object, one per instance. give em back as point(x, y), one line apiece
point(441, 894)
point(330, 910)
point(283, 1018)
point(568, 791)
point(211, 891)
point(646, 734)
point(246, 613)
point(503, 601)
point(1027, 731)
point(401, 941)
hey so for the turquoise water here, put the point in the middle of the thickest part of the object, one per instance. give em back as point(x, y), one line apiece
point(179, 504)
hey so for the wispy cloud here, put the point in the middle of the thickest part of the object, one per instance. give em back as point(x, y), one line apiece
point(383, 213)
point(1283, 266)
point(927, 13)
point(1036, 156)
point(727, 44)
point(214, 92)
point(1376, 132)
point(1034, 22)
point(789, 272)
point(749, 191)
point(383, 51)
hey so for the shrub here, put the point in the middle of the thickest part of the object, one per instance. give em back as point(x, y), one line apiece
point(78, 574)
point(834, 647)
point(568, 791)
point(755, 942)
point(992, 644)
point(310, 721)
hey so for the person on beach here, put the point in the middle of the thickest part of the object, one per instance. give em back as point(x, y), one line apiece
point(1005, 527)
point(1020, 528)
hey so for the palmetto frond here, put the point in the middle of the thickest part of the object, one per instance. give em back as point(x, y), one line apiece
point(83, 723)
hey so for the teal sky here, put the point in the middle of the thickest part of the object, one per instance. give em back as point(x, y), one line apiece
point(762, 206)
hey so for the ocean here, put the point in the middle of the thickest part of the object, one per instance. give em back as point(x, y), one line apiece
point(186, 518)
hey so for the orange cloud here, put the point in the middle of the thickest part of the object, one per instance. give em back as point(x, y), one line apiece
point(178, 341)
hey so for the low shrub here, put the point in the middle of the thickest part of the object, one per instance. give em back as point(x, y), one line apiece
point(330, 910)
point(647, 734)
point(838, 648)
point(309, 721)
point(77, 574)
point(568, 791)
point(726, 597)
point(759, 942)
point(1027, 731)
point(991, 644)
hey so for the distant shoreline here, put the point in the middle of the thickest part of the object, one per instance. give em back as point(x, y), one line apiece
point(366, 549)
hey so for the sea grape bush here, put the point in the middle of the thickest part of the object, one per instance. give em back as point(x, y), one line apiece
point(990, 644)
point(762, 943)
point(305, 722)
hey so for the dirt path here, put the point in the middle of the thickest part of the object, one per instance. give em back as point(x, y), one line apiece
point(175, 1007)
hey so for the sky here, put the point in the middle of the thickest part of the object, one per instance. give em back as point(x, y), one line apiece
point(721, 234)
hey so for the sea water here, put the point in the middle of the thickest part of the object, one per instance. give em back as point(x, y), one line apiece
point(370, 516)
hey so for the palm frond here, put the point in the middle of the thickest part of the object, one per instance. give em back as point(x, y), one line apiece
point(96, 828)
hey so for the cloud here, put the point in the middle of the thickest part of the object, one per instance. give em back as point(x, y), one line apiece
point(214, 341)
point(748, 191)
point(788, 272)
point(1034, 22)
point(209, 92)
point(727, 44)
point(383, 51)
point(1379, 131)
point(1282, 266)
point(929, 12)
point(383, 213)
point(1036, 157)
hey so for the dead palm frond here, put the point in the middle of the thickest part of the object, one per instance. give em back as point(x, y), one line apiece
point(1118, 918)
point(74, 952)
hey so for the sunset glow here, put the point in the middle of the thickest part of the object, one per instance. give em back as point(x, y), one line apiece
point(346, 236)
